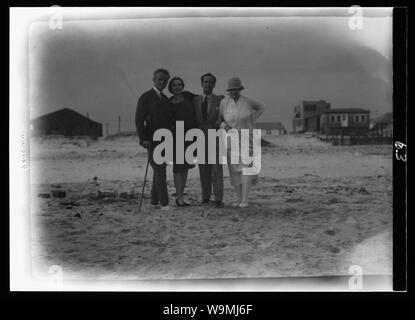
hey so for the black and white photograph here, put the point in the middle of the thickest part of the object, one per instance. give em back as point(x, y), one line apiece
point(214, 144)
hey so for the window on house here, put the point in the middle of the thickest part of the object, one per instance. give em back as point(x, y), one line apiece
point(268, 131)
point(332, 119)
point(338, 118)
point(343, 117)
point(356, 118)
point(363, 118)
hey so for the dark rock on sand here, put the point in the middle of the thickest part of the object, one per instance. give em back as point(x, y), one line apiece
point(106, 194)
point(334, 249)
point(70, 203)
point(125, 195)
point(333, 200)
point(58, 193)
point(330, 232)
point(363, 190)
point(43, 195)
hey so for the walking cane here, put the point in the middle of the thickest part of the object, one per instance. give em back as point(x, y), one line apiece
point(147, 121)
point(144, 185)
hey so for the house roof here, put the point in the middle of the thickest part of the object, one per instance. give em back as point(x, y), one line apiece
point(65, 111)
point(379, 122)
point(315, 102)
point(346, 110)
point(384, 119)
point(269, 125)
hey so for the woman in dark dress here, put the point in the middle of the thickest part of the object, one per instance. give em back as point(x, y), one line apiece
point(182, 109)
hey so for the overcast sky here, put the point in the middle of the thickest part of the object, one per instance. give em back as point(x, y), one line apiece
point(102, 66)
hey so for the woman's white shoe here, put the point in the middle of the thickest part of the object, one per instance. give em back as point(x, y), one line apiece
point(243, 205)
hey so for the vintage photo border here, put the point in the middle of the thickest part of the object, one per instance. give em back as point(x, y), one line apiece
point(19, 154)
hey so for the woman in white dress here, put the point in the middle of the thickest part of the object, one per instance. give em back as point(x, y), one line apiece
point(238, 112)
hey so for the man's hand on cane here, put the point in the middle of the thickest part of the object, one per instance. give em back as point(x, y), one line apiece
point(146, 144)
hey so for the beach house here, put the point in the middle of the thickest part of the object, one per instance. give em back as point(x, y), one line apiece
point(66, 122)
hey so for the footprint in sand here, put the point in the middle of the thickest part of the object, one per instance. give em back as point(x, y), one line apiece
point(126, 230)
point(69, 251)
point(288, 211)
point(330, 232)
point(294, 200)
point(334, 249)
point(77, 232)
point(138, 242)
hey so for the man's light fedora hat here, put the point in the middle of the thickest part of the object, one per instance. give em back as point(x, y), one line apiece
point(234, 84)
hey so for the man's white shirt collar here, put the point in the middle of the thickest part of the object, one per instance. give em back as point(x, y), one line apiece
point(157, 91)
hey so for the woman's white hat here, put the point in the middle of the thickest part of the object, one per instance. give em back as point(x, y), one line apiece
point(234, 83)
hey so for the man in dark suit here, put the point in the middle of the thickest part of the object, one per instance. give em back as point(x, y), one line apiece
point(207, 115)
point(152, 114)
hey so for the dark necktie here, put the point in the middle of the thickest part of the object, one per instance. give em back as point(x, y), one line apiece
point(204, 109)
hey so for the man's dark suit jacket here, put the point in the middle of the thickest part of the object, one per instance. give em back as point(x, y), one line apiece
point(152, 114)
point(211, 121)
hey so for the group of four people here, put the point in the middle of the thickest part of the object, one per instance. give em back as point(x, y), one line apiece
point(206, 111)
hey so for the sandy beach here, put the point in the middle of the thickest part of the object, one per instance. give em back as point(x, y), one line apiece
point(317, 210)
